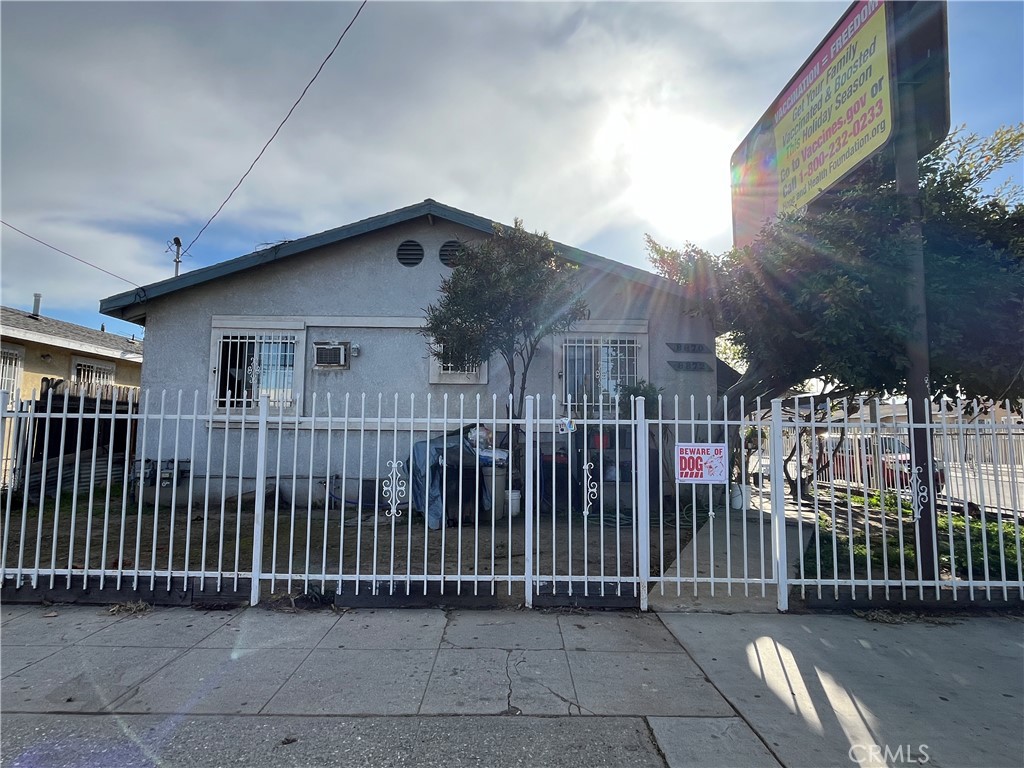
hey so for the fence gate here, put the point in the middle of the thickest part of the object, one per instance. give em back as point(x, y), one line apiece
point(590, 538)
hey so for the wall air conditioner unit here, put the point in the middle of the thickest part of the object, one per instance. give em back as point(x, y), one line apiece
point(331, 354)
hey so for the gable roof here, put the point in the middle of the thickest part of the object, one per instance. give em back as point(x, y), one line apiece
point(17, 324)
point(130, 305)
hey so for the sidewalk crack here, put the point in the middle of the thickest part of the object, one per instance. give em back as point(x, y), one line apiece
point(570, 703)
point(510, 709)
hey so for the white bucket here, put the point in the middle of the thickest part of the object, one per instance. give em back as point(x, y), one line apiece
point(739, 497)
point(515, 500)
point(498, 491)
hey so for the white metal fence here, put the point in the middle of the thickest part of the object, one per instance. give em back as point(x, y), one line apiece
point(873, 531)
point(413, 496)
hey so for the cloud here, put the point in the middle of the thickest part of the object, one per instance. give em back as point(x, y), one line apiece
point(29, 267)
point(125, 124)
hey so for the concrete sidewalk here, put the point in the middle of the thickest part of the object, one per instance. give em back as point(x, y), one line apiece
point(736, 544)
point(181, 687)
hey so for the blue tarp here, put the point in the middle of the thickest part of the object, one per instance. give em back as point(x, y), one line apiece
point(442, 454)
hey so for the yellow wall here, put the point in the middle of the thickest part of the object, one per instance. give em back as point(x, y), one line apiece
point(43, 360)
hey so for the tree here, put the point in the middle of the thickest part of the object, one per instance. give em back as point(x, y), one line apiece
point(505, 295)
point(822, 295)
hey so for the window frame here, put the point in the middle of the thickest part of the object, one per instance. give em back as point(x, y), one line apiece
point(97, 365)
point(595, 342)
point(18, 368)
point(275, 329)
point(441, 373)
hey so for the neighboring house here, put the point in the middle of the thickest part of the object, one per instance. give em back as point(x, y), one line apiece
point(38, 352)
point(339, 312)
point(40, 355)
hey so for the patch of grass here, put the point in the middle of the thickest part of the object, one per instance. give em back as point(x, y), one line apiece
point(884, 550)
point(889, 501)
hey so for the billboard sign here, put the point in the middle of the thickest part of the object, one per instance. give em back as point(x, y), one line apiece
point(837, 111)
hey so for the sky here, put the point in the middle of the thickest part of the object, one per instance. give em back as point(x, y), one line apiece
point(126, 124)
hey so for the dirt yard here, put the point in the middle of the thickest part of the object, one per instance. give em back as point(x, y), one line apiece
point(315, 546)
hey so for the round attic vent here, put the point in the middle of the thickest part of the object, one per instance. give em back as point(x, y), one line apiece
point(448, 253)
point(410, 253)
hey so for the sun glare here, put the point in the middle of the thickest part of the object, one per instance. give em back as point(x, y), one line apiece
point(675, 169)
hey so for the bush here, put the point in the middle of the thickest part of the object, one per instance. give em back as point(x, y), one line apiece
point(983, 538)
point(644, 389)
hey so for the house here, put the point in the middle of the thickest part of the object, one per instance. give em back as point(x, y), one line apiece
point(38, 352)
point(339, 312)
point(40, 356)
point(333, 320)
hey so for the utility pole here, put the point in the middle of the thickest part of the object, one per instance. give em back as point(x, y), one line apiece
point(907, 182)
point(177, 255)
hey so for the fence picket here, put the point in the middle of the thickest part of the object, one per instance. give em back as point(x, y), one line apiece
point(259, 510)
point(839, 474)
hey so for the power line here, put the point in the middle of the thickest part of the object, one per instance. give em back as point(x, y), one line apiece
point(279, 127)
point(58, 250)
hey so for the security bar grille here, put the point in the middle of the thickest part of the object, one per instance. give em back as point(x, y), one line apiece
point(93, 374)
point(10, 370)
point(596, 369)
point(254, 365)
point(448, 364)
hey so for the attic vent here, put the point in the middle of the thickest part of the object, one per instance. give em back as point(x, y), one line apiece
point(330, 354)
point(448, 253)
point(410, 253)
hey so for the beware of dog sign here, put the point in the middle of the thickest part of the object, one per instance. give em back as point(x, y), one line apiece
point(701, 463)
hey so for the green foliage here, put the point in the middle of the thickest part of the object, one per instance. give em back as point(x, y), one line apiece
point(692, 267)
point(823, 295)
point(966, 161)
point(889, 501)
point(883, 550)
point(727, 350)
point(983, 537)
point(505, 294)
point(642, 388)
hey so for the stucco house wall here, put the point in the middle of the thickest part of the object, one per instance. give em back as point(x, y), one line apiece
point(358, 292)
point(354, 290)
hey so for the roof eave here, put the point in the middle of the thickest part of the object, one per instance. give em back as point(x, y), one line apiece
point(72, 345)
point(130, 305)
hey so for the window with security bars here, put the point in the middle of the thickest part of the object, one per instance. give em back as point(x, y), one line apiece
point(10, 370)
point(91, 374)
point(449, 365)
point(451, 370)
point(596, 369)
point(252, 365)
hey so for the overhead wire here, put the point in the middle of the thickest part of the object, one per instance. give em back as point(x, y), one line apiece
point(279, 127)
point(234, 189)
point(76, 258)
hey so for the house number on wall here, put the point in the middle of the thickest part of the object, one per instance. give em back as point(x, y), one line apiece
point(689, 365)
point(690, 348)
